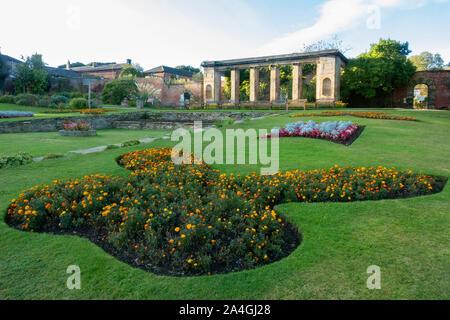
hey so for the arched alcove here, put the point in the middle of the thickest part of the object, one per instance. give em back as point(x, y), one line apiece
point(326, 87)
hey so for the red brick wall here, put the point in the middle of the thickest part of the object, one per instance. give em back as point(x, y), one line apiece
point(170, 94)
point(438, 89)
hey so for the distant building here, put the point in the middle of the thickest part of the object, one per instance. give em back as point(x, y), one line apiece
point(168, 73)
point(12, 63)
point(109, 71)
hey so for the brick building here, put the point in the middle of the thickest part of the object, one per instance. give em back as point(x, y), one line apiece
point(168, 73)
point(108, 71)
point(438, 84)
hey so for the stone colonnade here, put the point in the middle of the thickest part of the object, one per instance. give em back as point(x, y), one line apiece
point(329, 63)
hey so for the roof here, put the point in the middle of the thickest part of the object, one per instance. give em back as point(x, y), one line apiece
point(10, 59)
point(115, 66)
point(275, 59)
point(63, 73)
point(167, 69)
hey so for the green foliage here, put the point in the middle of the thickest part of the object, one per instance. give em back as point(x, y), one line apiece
point(15, 160)
point(188, 68)
point(29, 100)
point(53, 156)
point(427, 61)
point(378, 72)
point(130, 72)
point(60, 99)
point(45, 102)
point(72, 65)
point(8, 99)
point(130, 143)
point(116, 91)
point(78, 103)
point(31, 76)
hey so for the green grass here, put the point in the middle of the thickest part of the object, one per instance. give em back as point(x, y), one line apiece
point(42, 143)
point(38, 112)
point(407, 238)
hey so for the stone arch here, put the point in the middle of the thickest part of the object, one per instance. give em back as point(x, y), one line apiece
point(431, 91)
point(326, 87)
point(208, 92)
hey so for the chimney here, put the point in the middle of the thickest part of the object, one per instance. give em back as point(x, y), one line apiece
point(68, 65)
point(128, 61)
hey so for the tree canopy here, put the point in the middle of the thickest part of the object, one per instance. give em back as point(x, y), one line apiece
point(427, 61)
point(130, 72)
point(30, 76)
point(377, 72)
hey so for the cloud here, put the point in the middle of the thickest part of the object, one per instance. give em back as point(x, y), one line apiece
point(336, 16)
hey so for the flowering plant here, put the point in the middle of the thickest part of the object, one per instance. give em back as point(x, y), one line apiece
point(191, 219)
point(15, 114)
point(332, 130)
point(359, 114)
point(77, 126)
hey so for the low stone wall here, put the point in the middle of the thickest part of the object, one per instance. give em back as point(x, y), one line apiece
point(152, 120)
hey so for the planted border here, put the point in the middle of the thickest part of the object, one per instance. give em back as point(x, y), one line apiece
point(359, 114)
point(190, 219)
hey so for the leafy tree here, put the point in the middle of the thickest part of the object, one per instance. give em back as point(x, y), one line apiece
point(31, 76)
point(333, 43)
point(376, 73)
point(188, 68)
point(130, 72)
point(116, 91)
point(4, 72)
point(72, 65)
point(427, 61)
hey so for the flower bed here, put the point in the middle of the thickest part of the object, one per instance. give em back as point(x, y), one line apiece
point(359, 114)
point(336, 131)
point(15, 114)
point(77, 129)
point(191, 219)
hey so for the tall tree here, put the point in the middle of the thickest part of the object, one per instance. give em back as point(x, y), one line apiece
point(427, 61)
point(4, 72)
point(374, 75)
point(31, 76)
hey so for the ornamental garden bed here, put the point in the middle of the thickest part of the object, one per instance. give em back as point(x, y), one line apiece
point(186, 220)
point(77, 129)
point(358, 114)
point(15, 114)
point(342, 132)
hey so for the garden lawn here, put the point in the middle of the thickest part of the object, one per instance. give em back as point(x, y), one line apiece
point(407, 238)
point(42, 143)
point(38, 112)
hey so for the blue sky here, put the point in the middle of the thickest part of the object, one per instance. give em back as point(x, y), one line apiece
point(175, 32)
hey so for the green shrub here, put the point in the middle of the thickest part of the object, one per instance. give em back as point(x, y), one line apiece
point(131, 143)
point(7, 99)
point(26, 99)
point(60, 100)
point(115, 92)
point(15, 160)
point(45, 102)
point(78, 103)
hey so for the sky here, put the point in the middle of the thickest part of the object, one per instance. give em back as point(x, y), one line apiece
point(179, 32)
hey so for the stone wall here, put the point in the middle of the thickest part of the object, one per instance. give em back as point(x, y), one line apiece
point(155, 120)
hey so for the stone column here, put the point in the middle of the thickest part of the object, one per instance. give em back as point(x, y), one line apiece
point(235, 79)
point(254, 84)
point(274, 83)
point(328, 83)
point(211, 85)
point(297, 82)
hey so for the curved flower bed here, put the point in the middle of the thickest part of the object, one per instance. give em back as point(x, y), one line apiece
point(191, 219)
point(338, 131)
point(359, 114)
point(15, 114)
